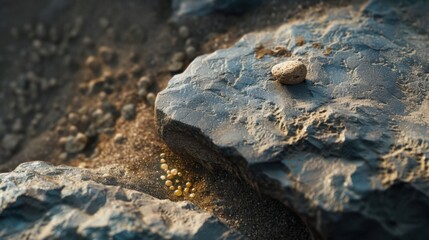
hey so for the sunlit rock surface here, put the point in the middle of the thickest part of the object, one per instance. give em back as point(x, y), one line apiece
point(348, 149)
point(40, 201)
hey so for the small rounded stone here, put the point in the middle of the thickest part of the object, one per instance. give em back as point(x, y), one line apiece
point(168, 183)
point(186, 190)
point(289, 72)
point(192, 195)
point(169, 176)
point(183, 31)
point(163, 177)
point(172, 188)
point(164, 166)
point(174, 171)
point(178, 193)
point(188, 184)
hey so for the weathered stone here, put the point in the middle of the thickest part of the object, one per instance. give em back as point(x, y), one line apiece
point(346, 149)
point(48, 202)
point(289, 72)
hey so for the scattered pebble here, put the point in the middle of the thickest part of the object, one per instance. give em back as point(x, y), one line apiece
point(183, 32)
point(150, 98)
point(144, 82)
point(76, 143)
point(107, 54)
point(191, 52)
point(289, 72)
point(128, 112)
point(73, 118)
point(92, 63)
point(119, 138)
point(103, 22)
point(11, 141)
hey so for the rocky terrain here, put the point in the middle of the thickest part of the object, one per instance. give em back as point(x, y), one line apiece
point(231, 153)
point(348, 149)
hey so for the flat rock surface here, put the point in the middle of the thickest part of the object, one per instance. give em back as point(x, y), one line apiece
point(40, 201)
point(348, 148)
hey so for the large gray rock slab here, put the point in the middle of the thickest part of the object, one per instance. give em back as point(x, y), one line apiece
point(41, 201)
point(203, 7)
point(348, 149)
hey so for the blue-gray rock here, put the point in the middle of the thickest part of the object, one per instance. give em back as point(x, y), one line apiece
point(348, 148)
point(203, 7)
point(41, 201)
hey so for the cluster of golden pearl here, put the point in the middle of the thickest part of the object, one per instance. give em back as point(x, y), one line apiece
point(172, 179)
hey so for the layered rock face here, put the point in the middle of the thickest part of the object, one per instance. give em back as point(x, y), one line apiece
point(348, 149)
point(40, 201)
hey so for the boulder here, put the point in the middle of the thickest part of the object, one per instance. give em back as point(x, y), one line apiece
point(41, 201)
point(348, 148)
point(203, 7)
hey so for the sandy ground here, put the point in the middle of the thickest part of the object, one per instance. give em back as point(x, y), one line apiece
point(45, 76)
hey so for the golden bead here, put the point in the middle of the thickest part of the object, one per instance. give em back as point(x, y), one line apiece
point(164, 166)
point(168, 171)
point(162, 155)
point(179, 188)
point(186, 190)
point(169, 176)
point(177, 180)
point(193, 190)
point(162, 177)
point(188, 184)
point(172, 188)
point(178, 193)
point(174, 171)
point(168, 183)
point(163, 160)
point(192, 195)
point(179, 173)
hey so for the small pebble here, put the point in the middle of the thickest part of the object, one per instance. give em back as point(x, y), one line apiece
point(289, 72)
point(144, 82)
point(92, 63)
point(183, 32)
point(150, 98)
point(76, 143)
point(103, 22)
point(107, 54)
point(128, 112)
point(191, 52)
point(119, 138)
point(164, 166)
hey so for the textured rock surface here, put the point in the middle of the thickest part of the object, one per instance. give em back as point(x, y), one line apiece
point(202, 7)
point(40, 201)
point(349, 148)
